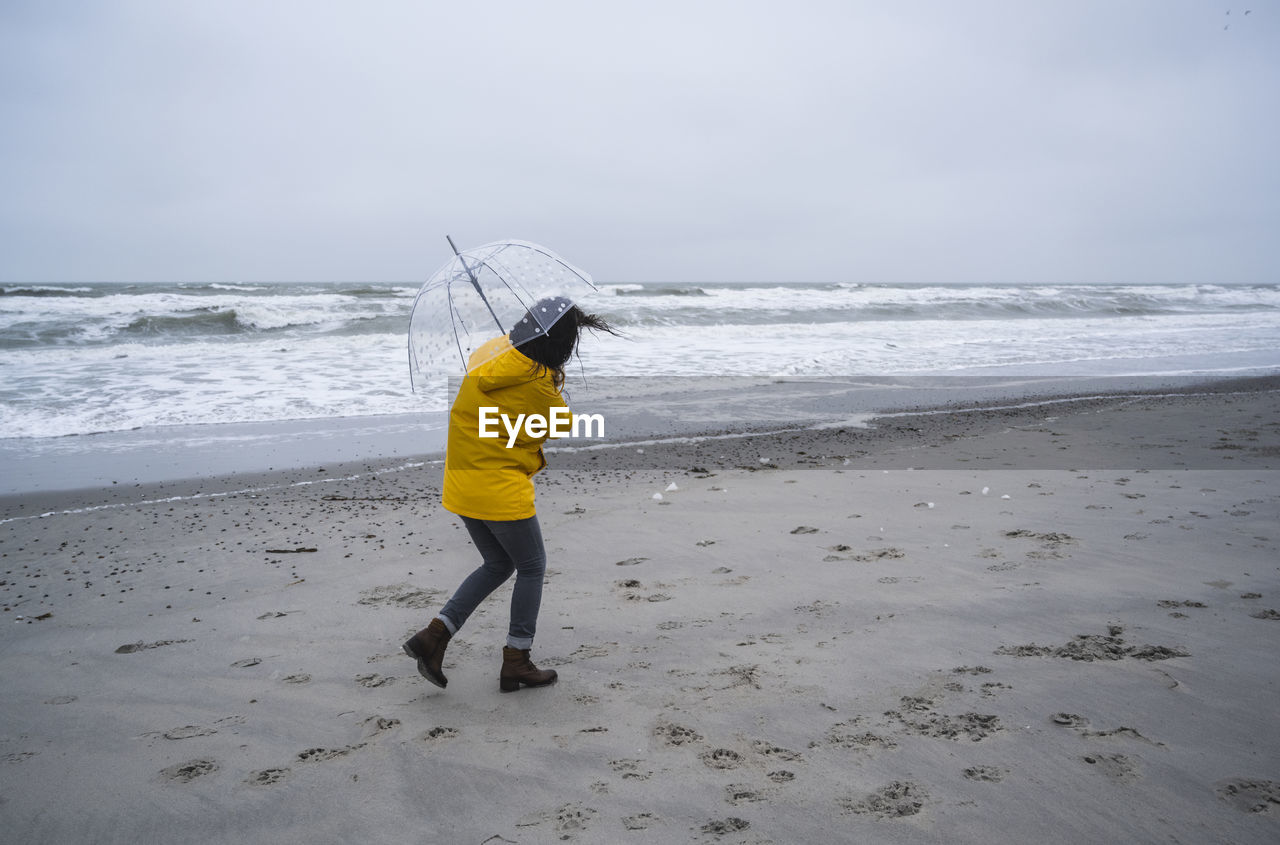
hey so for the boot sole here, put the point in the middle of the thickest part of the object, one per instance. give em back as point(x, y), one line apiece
point(439, 680)
point(513, 685)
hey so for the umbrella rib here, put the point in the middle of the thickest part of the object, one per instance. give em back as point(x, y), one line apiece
point(453, 321)
point(475, 283)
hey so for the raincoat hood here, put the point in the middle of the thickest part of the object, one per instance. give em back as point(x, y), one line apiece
point(502, 366)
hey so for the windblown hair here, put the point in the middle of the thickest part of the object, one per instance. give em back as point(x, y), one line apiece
point(552, 350)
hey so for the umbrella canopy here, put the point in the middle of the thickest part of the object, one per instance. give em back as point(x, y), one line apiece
point(512, 288)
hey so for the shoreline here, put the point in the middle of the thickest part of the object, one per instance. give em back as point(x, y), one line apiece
point(901, 438)
point(638, 409)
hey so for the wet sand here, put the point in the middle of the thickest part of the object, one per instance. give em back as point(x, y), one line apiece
point(1054, 623)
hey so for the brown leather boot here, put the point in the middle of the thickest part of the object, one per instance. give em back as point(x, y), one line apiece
point(427, 647)
point(518, 669)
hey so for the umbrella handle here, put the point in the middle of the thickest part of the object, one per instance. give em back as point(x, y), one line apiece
point(475, 283)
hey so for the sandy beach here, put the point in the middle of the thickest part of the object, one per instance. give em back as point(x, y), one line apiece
point(1053, 623)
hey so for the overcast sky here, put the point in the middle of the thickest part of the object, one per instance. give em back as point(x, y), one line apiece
point(922, 141)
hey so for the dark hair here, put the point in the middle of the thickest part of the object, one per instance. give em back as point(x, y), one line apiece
point(552, 349)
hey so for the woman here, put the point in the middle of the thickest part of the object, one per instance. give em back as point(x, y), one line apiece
point(488, 481)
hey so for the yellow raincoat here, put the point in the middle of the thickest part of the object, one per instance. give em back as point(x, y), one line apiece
point(483, 477)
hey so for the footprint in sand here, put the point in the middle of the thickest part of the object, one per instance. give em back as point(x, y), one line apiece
point(130, 648)
point(569, 819)
point(641, 821)
point(848, 735)
point(372, 681)
point(992, 688)
point(676, 735)
point(268, 777)
point(400, 595)
point(880, 554)
point(628, 585)
point(775, 752)
point(741, 676)
point(1126, 733)
point(818, 608)
point(584, 651)
point(375, 725)
point(190, 770)
point(1090, 647)
point(1069, 720)
point(1250, 796)
point(721, 827)
point(1050, 543)
point(631, 769)
point(919, 717)
point(895, 800)
point(188, 732)
point(721, 758)
point(988, 774)
point(439, 732)
point(319, 755)
point(1115, 766)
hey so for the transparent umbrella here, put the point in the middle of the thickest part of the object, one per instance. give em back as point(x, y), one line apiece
point(513, 288)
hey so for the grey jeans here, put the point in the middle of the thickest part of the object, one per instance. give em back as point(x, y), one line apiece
point(506, 547)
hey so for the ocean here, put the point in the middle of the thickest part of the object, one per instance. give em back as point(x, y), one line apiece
point(168, 360)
